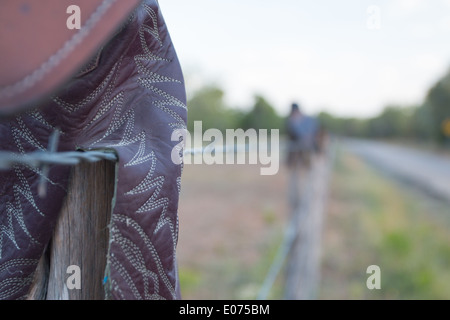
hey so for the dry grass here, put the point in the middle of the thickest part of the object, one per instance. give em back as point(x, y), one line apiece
point(231, 223)
point(373, 219)
point(232, 220)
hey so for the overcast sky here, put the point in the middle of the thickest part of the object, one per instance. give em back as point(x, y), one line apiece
point(348, 57)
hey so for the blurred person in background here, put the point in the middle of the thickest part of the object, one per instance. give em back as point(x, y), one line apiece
point(305, 141)
point(304, 137)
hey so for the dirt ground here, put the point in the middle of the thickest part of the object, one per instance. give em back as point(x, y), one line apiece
point(229, 216)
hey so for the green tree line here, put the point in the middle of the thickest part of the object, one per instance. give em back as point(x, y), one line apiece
point(208, 105)
point(427, 122)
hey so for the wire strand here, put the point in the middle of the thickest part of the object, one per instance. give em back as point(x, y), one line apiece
point(9, 160)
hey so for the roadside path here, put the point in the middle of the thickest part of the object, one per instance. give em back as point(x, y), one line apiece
point(429, 171)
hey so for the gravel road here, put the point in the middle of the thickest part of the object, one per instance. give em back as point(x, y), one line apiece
point(427, 170)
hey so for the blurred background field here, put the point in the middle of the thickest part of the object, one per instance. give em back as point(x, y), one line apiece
point(377, 77)
point(374, 219)
point(232, 222)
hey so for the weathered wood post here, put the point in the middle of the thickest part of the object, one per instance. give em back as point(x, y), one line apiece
point(303, 264)
point(81, 236)
point(300, 184)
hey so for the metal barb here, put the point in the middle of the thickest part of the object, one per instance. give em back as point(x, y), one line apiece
point(44, 159)
point(52, 147)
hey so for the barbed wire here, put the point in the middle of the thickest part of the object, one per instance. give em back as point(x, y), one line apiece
point(41, 158)
point(220, 149)
point(44, 159)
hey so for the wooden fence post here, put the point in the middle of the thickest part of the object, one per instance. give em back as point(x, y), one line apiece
point(81, 237)
point(303, 263)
